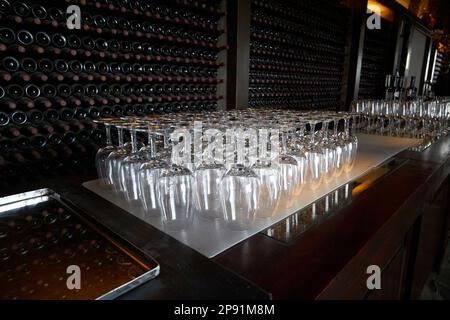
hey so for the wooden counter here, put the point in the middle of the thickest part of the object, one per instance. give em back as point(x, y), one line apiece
point(399, 223)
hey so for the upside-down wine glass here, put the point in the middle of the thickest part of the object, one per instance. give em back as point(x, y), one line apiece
point(130, 165)
point(315, 158)
point(239, 187)
point(114, 161)
point(269, 176)
point(103, 153)
point(208, 175)
point(350, 150)
point(176, 185)
point(149, 174)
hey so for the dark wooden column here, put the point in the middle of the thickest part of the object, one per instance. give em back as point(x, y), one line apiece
point(238, 54)
point(401, 49)
point(355, 43)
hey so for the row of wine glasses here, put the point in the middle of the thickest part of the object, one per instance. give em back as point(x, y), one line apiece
point(236, 165)
point(417, 118)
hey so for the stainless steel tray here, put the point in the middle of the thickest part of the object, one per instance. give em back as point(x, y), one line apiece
point(41, 235)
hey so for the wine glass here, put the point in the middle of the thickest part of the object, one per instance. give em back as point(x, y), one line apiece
point(315, 158)
point(327, 146)
point(149, 150)
point(114, 161)
point(127, 142)
point(176, 186)
point(268, 172)
point(351, 147)
point(289, 170)
point(239, 188)
point(103, 153)
point(130, 165)
point(297, 151)
point(149, 174)
point(339, 149)
point(208, 176)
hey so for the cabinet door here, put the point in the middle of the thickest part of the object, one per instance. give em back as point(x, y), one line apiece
point(393, 275)
point(432, 240)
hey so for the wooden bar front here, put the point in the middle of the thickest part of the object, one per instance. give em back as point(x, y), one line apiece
point(399, 223)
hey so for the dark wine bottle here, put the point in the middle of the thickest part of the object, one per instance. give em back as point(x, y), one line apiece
point(7, 36)
point(66, 114)
point(14, 91)
point(18, 117)
point(42, 39)
point(74, 41)
point(51, 115)
point(32, 91)
point(54, 138)
point(38, 140)
point(64, 90)
point(93, 112)
point(58, 40)
point(38, 11)
point(4, 119)
point(24, 37)
point(5, 7)
point(35, 116)
point(49, 90)
point(10, 64)
point(45, 65)
point(79, 113)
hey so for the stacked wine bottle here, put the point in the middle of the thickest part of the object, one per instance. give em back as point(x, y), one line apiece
point(130, 57)
point(297, 53)
point(377, 50)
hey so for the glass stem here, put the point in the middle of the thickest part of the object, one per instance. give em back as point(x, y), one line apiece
point(120, 134)
point(173, 158)
point(302, 134)
point(302, 130)
point(335, 128)
point(166, 139)
point(174, 155)
point(108, 135)
point(293, 138)
point(262, 144)
point(354, 125)
point(313, 129)
point(347, 127)
point(240, 144)
point(325, 129)
point(151, 143)
point(133, 140)
point(284, 142)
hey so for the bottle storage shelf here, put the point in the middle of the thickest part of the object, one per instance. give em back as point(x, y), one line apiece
point(297, 52)
point(129, 57)
point(376, 52)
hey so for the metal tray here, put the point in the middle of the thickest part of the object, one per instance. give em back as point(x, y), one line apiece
point(41, 235)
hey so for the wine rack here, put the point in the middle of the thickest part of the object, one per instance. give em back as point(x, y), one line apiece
point(297, 53)
point(377, 51)
point(130, 57)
